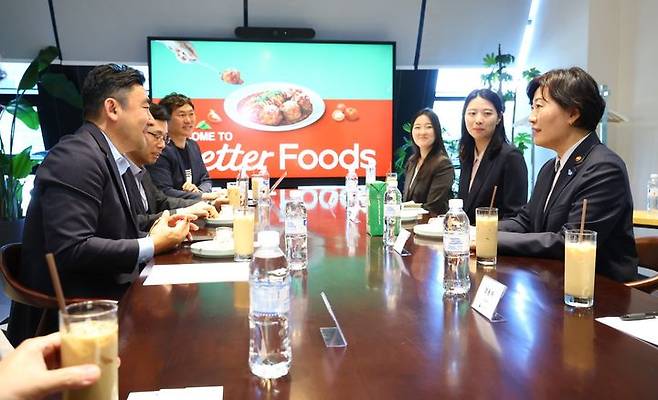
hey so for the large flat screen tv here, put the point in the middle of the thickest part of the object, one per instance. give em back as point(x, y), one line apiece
point(312, 109)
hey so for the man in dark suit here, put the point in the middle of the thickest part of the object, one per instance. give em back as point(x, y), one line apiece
point(149, 201)
point(566, 107)
point(79, 209)
point(180, 170)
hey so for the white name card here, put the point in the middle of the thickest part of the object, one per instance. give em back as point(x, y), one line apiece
point(401, 240)
point(487, 298)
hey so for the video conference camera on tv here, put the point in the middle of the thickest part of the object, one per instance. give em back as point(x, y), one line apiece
point(248, 32)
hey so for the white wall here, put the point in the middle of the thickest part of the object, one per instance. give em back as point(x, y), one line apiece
point(560, 40)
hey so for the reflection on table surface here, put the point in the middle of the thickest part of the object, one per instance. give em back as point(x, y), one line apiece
point(405, 339)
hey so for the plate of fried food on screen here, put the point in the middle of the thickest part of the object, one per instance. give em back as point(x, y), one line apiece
point(274, 106)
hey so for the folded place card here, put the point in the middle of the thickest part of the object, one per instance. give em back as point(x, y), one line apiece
point(400, 240)
point(172, 274)
point(487, 298)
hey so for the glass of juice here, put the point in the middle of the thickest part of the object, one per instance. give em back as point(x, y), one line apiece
point(233, 194)
point(486, 236)
point(579, 268)
point(243, 233)
point(90, 333)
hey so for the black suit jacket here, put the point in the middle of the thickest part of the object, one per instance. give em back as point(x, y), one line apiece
point(80, 213)
point(433, 184)
point(168, 172)
point(157, 202)
point(592, 172)
point(507, 170)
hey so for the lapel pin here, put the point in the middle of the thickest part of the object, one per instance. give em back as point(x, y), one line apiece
point(569, 172)
point(579, 158)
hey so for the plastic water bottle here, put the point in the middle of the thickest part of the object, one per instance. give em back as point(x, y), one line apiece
point(270, 351)
point(243, 187)
point(296, 232)
point(263, 186)
point(352, 191)
point(371, 172)
point(652, 193)
point(456, 246)
point(392, 207)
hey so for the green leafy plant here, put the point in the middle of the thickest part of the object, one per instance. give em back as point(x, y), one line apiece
point(522, 141)
point(14, 167)
point(497, 76)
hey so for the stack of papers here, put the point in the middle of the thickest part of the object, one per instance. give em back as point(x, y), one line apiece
point(191, 393)
point(644, 329)
point(172, 274)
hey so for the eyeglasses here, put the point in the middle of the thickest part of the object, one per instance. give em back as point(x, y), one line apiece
point(160, 138)
point(118, 67)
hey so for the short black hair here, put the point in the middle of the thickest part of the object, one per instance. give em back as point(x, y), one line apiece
point(108, 80)
point(159, 112)
point(175, 100)
point(572, 87)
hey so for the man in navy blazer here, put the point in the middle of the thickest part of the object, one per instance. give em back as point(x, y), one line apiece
point(79, 209)
point(566, 107)
point(180, 170)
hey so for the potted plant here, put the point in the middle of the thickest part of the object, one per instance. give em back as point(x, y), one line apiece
point(16, 166)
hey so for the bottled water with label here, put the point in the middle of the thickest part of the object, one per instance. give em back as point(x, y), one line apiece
point(371, 172)
point(392, 206)
point(352, 191)
point(263, 195)
point(456, 246)
point(296, 232)
point(652, 193)
point(270, 352)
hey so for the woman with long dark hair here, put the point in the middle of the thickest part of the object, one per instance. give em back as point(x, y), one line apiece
point(429, 172)
point(488, 160)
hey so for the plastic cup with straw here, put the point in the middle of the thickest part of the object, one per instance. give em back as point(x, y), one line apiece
point(579, 264)
point(90, 335)
point(486, 234)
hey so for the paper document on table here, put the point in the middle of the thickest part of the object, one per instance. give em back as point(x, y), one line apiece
point(198, 273)
point(191, 393)
point(645, 329)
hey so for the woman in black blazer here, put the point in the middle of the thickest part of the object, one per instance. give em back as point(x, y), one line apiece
point(429, 173)
point(566, 107)
point(488, 160)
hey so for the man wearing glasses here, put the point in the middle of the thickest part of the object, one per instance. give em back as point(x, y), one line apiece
point(180, 171)
point(80, 209)
point(148, 200)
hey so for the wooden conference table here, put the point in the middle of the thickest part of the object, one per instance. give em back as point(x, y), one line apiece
point(405, 340)
point(645, 219)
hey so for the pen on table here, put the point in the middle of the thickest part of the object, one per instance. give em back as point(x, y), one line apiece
point(639, 316)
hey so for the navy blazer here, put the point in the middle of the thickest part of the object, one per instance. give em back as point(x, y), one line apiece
point(433, 184)
point(592, 172)
point(79, 212)
point(168, 172)
point(507, 170)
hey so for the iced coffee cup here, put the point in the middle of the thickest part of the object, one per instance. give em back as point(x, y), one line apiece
point(233, 194)
point(486, 236)
point(579, 268)
point(243, 233)
point(90, 334)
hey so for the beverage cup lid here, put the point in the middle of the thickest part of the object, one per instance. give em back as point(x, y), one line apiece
point(455, 203)
point(268, 238)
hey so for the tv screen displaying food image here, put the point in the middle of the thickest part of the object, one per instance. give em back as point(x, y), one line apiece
point(312, 109)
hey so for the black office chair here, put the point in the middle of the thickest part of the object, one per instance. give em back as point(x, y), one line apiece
point(647, 251)
point(10, 262)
